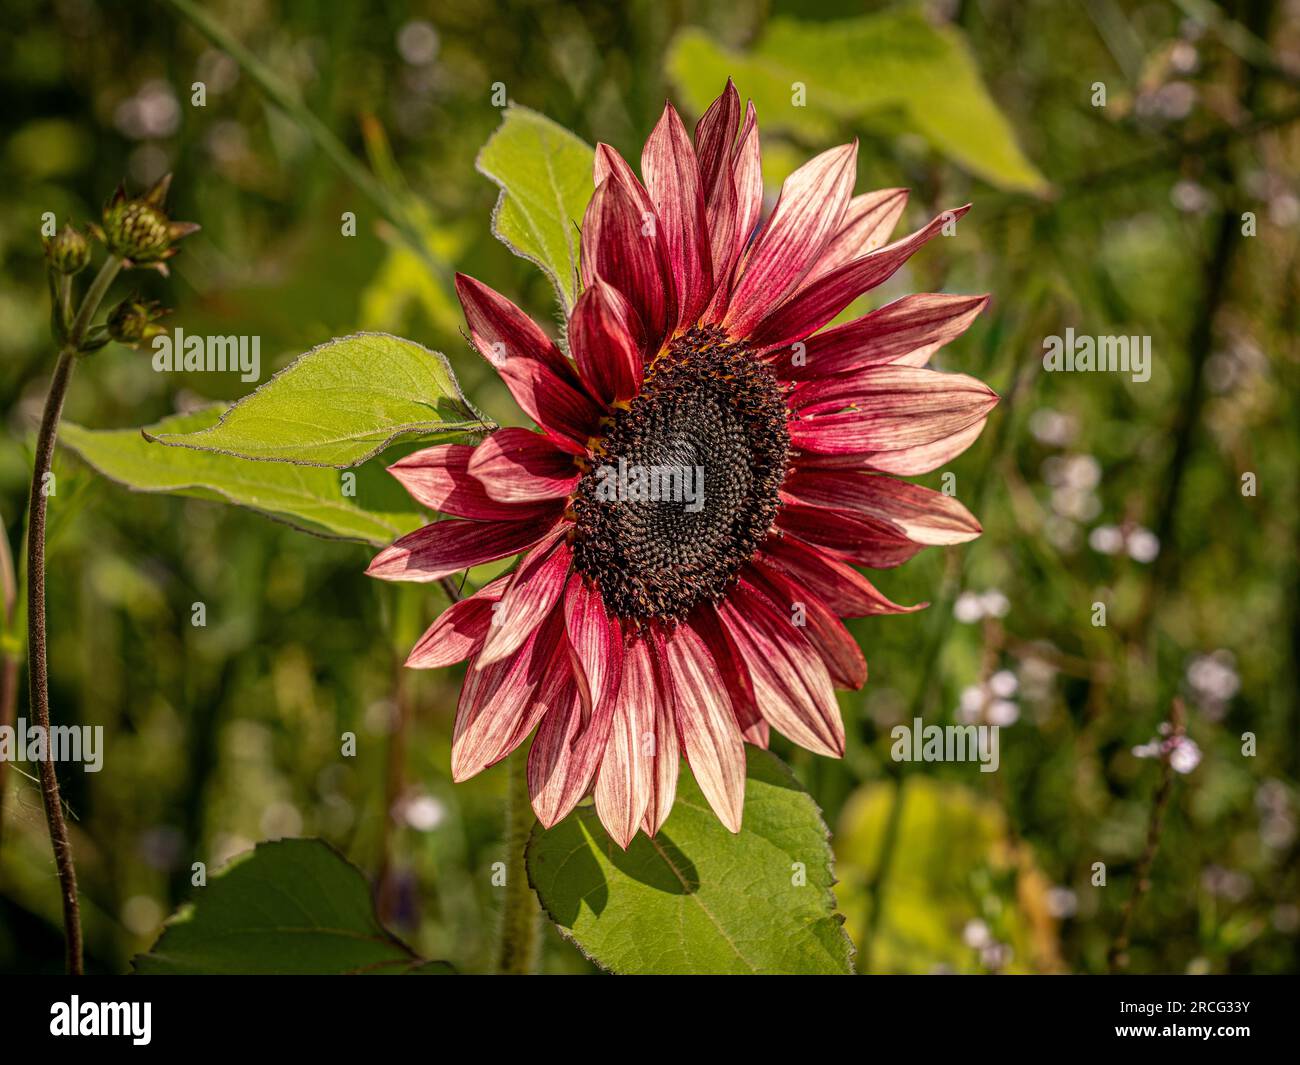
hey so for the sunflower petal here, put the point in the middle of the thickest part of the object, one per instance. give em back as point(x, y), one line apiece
point(624, 780)
point(447, 547)
point(520, 466)
point(607, 340)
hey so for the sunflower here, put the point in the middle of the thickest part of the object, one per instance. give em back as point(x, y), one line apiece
point(702, 609)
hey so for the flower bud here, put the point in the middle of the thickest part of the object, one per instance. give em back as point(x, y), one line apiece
point(139, 230)
point(135, 320)
point(68, 250)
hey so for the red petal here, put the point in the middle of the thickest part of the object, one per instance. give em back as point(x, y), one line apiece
point(806, 216)
point(815, 305)
point(868, 222)
point(838, 649)
point(712, 742)
point(502, 703)
point(866, 541)
point(565, 754)
point(740, 688)
point(906, 333)
point(606, 338)
point(623, 242)
point(459, 631)
point(624, 782)
point(520, 466)
point(734, 207)
point(595, 641)
point(715, 135)
point(439, 478)
point(538, 375)
point(844, 589)
point(534, 589)
point(895, 407)
point(924, 515)
point(790, 680)
point(672, 177)
point(447, 547)
point(906, 462)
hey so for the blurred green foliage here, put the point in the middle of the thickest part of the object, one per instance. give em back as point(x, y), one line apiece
point(1091, 488)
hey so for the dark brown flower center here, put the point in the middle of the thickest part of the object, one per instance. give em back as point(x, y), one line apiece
point(684, 487)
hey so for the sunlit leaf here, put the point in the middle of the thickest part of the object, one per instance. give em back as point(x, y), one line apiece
point(697, 899)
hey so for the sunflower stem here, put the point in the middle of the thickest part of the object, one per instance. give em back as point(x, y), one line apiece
point(519, 919)
point(37, 657)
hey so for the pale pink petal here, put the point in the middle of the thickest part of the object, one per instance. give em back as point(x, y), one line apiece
point(534, 589)
point(459, 631)
point(906, 333)
point(924, 515)
point(866, 541)
point(844, 589)
point(868, 222)
point(520, 466)
point(837, 647)
point(905, 462)
point(816, 304)
point(893, 407)
point(447, 547)
point(502, 703)
point(665, 753)
point(710, 738)
point(595, 641)
point(565, 754)
point(607, 339)
point(791, 682)
point(624, 781)
point(672, 177)
point(740, 688)
point(807, 214)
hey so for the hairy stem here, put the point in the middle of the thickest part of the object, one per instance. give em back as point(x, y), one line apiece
point(37, 656)
point(519, 921)
point(8, 655)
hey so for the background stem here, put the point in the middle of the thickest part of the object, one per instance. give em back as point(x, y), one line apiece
point(519, 922)
point(37, 655)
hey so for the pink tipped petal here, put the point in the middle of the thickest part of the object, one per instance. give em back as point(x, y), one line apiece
point(520, 466)
point(623, 242)
point(807, 214)
point(924, 515)
point(665, 753)
point(735, 674)
point(868, 222)
point(502, 703)
point(790, 680)
point(459, 631)
point(606, 338)
point(534, 589)
point(439, 478)
point(906, 333)
point(447, 547)
point(672, 177)
point(821, 300)
point(715, 135)
point(838, 649)
point(565, 755)
point(844, 589)
point(624, 781)
point(540, 378)
point(734, 207)
point(595, 642)
point(892, 408)
point(866, 541)
point(710, 737)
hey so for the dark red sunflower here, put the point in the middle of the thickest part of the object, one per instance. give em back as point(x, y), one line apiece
point(638, 628)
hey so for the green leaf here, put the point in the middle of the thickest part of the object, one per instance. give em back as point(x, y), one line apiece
point(342, 403)
point(308, 498)
point(860, 70)
point(954, 862)
point(296, 907)
point(697, 899)
point(544, 173)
